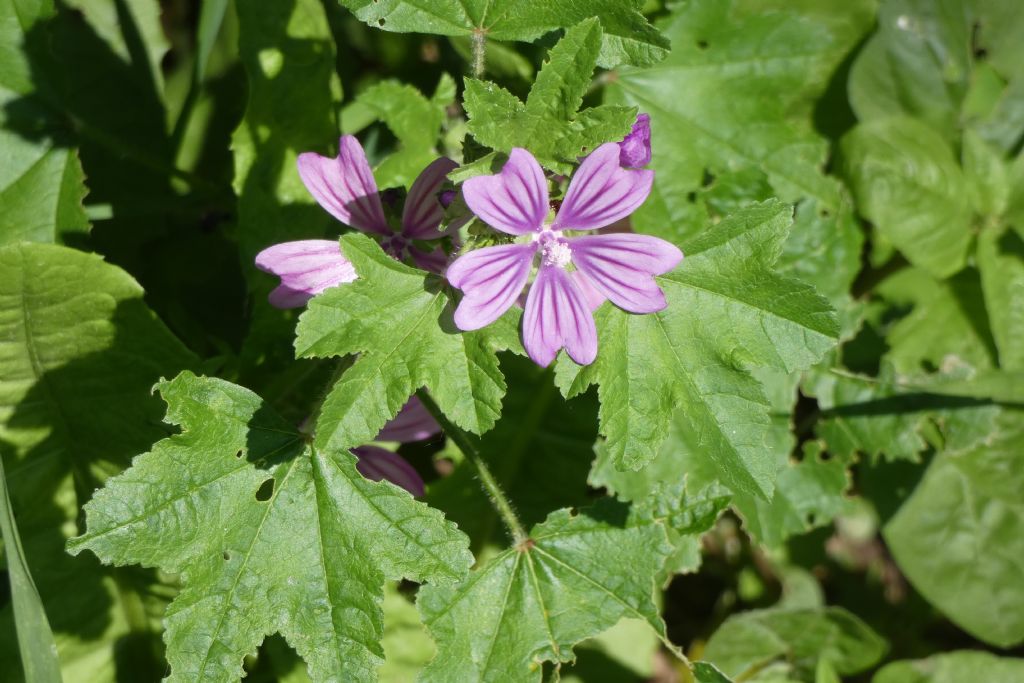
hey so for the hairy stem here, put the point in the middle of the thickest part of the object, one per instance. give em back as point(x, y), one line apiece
point(479, 45)
point(465, 443)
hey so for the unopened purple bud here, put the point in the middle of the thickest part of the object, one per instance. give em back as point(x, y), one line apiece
point(635, 148)
point(446, 198)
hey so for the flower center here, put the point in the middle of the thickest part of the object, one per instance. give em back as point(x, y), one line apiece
point(554, 250)
point(394, 246)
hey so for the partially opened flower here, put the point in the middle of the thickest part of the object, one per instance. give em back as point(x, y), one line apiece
point(344, 186)
point(635, 148)
point(620, 267)
point(413, 423)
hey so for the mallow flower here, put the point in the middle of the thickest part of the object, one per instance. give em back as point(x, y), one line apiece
point(635, 148)
point(558, 310)
point(413, 423)
point(344, 186)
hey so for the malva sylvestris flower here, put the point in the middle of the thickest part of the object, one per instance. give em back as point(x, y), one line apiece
point(413, 423)
point(558, 311)
point(344, 186)
point(635, 148)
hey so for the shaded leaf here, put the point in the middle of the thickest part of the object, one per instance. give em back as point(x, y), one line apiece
point(969, 505)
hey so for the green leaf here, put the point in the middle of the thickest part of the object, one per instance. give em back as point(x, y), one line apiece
point(1001, 262)
point(969, 505)
point(539, 451)
point(407, 645)
point(953, 667)
point(415, 121)
point(35, 639)
point(550, 124)
point(918, 63)
point(399, 320)
point(628, 37)
point(798, 638)
point(906, 181)
point(703, 672)
point(986, 175)
point(294, 91)
point(79, 353)
point(734, 99)
point(727, 311)
point(947, 322)
point(808, 492)
point(41, 183)
point(269, 534)
point(533, 602)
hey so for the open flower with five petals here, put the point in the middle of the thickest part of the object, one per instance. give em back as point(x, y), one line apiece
point(558, 312)
point(344, 186)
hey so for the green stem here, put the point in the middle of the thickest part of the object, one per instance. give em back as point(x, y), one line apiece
point(462, 440)
point(479, 46)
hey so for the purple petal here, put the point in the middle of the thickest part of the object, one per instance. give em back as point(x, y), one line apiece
point(306, 268)
point(345, 186)
point(430, 261)
point(423, 211)
point(490, 279)
point(602, 192)
point(513, 201)
point(591, 295)
point(622, 266)
point(413, 423)
point(557, 315)
point(377, 464)
point(635, 148)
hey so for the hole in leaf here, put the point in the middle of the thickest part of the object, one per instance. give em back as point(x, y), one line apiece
point(265, 491)
point(702, 44)
point(227, 556)
point(691, 196)
point(708, 179)
point(811, 519)
point(824, 213)
point(824, 456)
point(239, 453)
point(380, 22)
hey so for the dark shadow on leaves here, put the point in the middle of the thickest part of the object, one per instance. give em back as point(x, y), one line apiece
point(100, 413)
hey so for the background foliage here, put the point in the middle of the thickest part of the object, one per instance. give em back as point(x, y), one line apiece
point(807, 468)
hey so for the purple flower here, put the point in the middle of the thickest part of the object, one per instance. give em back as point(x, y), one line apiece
point(620, 266)
point(635, 148)
point(376, 463)
point(306, 268)
point(413, 423)
point(345, 187)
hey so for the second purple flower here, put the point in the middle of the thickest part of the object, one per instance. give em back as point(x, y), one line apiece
point(620, 267)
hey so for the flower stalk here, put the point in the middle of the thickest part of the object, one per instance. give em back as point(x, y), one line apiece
point(497, 497)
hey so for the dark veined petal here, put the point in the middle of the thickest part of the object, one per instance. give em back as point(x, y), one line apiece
point(635, 148)
point(513, 201)
point(430, 261)
point(306, 268)
point(423, 210)
point(490, 279)
point(591, 295)
point(622, 266)
point(601, 192)
point(345, 187)
point(377, 464)
point(413, 423)
point(557, 315)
